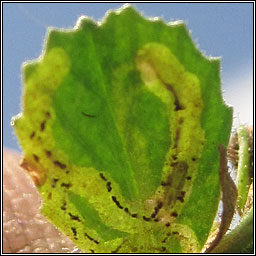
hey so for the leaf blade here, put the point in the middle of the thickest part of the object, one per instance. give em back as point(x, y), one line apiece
point(104, 98)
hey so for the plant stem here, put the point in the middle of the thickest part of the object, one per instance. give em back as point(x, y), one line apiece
point(243, 179)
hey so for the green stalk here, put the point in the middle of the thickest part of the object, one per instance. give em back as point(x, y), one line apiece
point(243, 177)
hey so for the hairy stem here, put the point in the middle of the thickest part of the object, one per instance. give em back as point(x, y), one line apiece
point(243, 179)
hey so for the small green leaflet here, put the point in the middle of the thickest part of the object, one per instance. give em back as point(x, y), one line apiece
point(120, 128)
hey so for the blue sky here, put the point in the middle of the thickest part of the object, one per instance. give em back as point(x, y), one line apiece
point(219, 29)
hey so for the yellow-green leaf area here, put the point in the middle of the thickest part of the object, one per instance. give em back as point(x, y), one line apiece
point(120, 130)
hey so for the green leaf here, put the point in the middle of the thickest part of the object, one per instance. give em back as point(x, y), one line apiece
point(120, 129)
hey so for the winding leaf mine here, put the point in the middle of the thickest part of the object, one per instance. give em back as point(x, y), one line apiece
point(120, 129)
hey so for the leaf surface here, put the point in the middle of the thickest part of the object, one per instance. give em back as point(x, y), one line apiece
point(120, 129)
